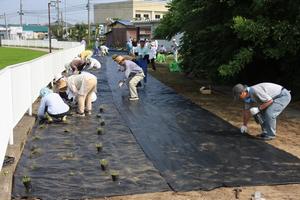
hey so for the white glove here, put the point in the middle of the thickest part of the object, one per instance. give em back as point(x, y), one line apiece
point(121, 83)
point(244, 129)
point(254, 110)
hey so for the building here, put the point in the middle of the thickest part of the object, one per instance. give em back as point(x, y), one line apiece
point(34, 32)
point(130, 10)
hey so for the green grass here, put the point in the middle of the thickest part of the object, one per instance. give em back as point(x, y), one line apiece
point(10, 56)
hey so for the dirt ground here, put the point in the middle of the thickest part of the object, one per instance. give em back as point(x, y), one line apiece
point(220, 102)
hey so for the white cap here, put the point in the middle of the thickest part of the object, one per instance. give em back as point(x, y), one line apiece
point(174, 40)
point(57, 77)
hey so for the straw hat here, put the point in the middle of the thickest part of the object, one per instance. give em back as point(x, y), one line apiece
point(61, 85)
point(119, 59)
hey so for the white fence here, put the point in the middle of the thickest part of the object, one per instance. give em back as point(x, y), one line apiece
point(40, 43)
point(20, 85)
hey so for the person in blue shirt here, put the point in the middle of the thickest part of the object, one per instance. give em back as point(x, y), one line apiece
point(52, 106)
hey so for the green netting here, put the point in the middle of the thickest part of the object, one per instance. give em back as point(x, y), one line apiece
point(161, 58)
point(174, 67)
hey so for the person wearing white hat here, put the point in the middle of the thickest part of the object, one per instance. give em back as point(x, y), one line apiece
point(175, 50)
point(52, 106)
point(133, 75)
point(82, 86)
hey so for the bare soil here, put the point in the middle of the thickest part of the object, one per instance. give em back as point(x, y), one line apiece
point(220, 102)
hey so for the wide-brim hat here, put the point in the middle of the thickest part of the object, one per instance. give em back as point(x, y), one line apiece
point(61, 85)
point(119, 59)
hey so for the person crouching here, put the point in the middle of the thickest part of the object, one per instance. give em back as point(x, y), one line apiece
point(82, 86)
point(52, 106)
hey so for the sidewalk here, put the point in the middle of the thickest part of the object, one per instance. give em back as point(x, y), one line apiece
point(21, 132)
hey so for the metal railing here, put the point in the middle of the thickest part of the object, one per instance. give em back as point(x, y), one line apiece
point(20, 85)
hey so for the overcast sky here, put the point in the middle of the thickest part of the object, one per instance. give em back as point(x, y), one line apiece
point(35, 11)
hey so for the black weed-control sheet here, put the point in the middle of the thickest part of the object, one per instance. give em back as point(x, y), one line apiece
point(161, 142)
point(194, 149)
point(63, 163)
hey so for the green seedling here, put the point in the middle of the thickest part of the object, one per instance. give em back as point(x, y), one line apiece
point(36, 138)
point(27, 183)
point(102, 122)
point(103, 164)
point(114, 175)
point(99, 147)
point(71, 173)
point(101, 109)
point(34, 151)
point(100, 131)
point(42, 126)
point(98, 115)
point(66, 130)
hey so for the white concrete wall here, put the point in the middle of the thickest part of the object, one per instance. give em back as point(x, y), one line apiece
point(40, 43)
point(20, 85)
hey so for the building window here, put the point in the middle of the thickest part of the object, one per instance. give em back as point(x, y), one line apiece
point(138, 16)
point(146, 16)
point(157, 16)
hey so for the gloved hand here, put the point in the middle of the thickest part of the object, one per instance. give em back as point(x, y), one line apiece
point(254, 110)
point(121, 83)
point(244, 129)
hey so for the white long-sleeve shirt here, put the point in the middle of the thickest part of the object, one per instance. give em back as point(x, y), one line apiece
point(54, 104)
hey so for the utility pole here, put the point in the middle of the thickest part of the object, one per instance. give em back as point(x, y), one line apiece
point(21, 13)
point(89, 24)
point(66, 28)
point(7, 37)
point(49, 26)
point(58, 13)
point(4, 17)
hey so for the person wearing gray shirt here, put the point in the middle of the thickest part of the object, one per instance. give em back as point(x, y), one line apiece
point(133, 75)
point(266, 100)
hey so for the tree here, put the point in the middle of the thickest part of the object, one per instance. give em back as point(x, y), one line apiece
point(229, 38)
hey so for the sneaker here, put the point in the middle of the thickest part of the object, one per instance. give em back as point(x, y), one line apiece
point(133, 98)
point(64, 119)
point(264, 136)
point(88, 112)
point(80, 114)
point(49, 118)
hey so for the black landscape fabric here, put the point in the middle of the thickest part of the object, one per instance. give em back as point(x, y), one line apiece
point(194, 149)
point(161, 142)
point(63, 163)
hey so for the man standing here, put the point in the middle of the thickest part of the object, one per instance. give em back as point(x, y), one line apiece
point(270, 99)
point(175, 50)
point(143, 57)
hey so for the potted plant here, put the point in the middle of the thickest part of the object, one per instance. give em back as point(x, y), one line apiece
point(66, 130)
point(27, 183)
point(99, 147)
point(114, 175)
point(102, 122)
point(101, 109)
point(100, 131)
point(104, 164)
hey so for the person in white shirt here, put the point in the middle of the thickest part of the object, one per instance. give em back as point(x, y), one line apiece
point(83, 42)
point(82, 86)
point(152, 55)
point(104, 50)
point(133, 75)
point(52, 106)
point(175, 50)
point(92, 63)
